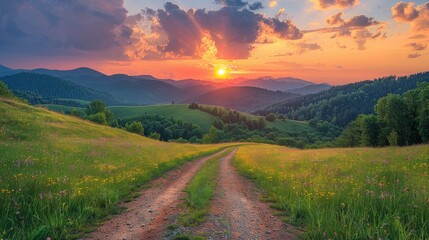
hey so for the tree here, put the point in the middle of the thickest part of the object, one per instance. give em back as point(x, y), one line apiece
point(393, 138)
point(98, 118)
point(155, 136)
point(95, 107)
point(75, 112)
point(211, 136)
point(4, 90)
point(370, 131)
point(393, 110)
point(270, 117)
point(135, 127)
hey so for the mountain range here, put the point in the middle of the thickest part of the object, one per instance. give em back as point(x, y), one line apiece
point(252, 94)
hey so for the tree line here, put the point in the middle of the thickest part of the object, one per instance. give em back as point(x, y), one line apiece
point(399, 120)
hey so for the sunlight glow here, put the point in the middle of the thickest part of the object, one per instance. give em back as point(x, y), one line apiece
point(221, 72)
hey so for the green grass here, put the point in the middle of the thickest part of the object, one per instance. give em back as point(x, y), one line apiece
point(200, 191)
point(59, 175)
point(178, 112)
point(61, 108)
point(360, 193)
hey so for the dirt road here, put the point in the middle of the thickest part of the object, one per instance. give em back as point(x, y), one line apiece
point(147, 216)
point(236, 211)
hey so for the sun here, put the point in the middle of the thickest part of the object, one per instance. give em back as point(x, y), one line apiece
point(221, 72)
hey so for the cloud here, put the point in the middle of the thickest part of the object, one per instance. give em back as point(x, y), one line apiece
point(416, 46)
point(404, 12)
point(417, 16)
point(323, 4)
point(335, 19)
point(413, 55)
point(240, 4)
point(228, 33)
point(356, 27)
point(54, 27)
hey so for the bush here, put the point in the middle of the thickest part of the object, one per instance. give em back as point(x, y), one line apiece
point(4, 90)
point(99, 118)
point(135, 127)
point(155, 136)
point(271, 117)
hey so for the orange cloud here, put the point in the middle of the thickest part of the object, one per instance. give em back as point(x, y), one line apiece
point(323, 4)
point(417, 16)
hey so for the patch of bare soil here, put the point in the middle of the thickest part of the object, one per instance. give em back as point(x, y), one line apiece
point(148, 216)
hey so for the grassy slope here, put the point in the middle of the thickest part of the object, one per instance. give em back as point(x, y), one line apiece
point(360, 193)
point(204, 120)
point(182, 112)
point(58, 174)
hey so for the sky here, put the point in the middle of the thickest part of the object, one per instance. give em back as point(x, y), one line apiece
point(324, 41)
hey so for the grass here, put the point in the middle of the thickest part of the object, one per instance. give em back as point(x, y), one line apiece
point(200, 191)
point(62, 109)
point(59, 175)
point(361, 193)
point(176, 111)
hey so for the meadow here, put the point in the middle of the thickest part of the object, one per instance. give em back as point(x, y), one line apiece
point(360, 193)
point(59, 175)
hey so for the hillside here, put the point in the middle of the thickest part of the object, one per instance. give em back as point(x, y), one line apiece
point(245, 99)
point(40, 88)
point(342, 104)
point(178, 112)
point(275, 84)
point(311, 89)
point(72, 173)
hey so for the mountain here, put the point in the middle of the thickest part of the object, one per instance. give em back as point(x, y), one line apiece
point(45, 87)
point(276, 84)
point(311, 89)
point(342, 104)
point(245, 99)
point(147, 90)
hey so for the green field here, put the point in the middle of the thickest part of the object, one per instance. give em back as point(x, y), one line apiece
point(202, 119)
point(60, 174)
point(62, 109)
point(358, 193)
point(178, 112)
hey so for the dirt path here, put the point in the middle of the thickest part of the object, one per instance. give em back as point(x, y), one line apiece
point(147, 217)
point(237, 213)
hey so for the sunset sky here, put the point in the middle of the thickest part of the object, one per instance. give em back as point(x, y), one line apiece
point(334, 41)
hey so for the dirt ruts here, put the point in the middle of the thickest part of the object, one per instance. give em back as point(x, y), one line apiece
point(147, 216)
point(236, 211)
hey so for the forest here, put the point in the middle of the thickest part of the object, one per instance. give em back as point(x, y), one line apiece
point(342, 104)
point(399, 120)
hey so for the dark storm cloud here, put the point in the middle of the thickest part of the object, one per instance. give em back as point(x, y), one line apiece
point(233, 30)
point(54, 25)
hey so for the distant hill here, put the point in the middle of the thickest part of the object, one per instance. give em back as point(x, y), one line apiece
point(276, 84)
point(342, 104)
point(148, 90)
point(245, 99)
point(47, 87)
point(311, 89)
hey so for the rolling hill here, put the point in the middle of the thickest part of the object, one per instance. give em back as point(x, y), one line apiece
point(275, 84)
point(245, 99)
point(342, 104)
point(72, 173)
point(148, 90)
point(178, 112)
point(46, 88)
